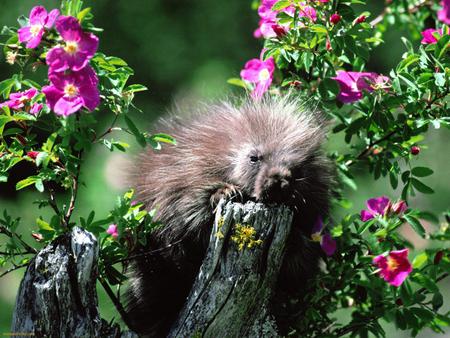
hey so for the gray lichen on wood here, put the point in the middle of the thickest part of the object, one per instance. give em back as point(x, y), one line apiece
point(57, 296)
point(232, 293)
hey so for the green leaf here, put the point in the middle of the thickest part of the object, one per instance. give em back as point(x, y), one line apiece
point(419, 260)
point(137, 134)
point(83, 13)
point(421, 171)
point(164, 138)
point(42, 158)
point(421, 186)
point(425, 281)
point(415, 224)
point(134, 88)
point(43, 225)
point(437, 301)
point(39, 185)
point(3, 121)
point(281, 5)
point(237, 82)
point(26, 182)
point(318, 29)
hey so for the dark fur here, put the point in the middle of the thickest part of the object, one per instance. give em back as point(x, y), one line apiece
point(213, 158)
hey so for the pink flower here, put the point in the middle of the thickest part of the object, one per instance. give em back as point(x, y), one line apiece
point(395, 267)
point(260, 73)
point(352, 84)
point(444, 13)
point(268, 26)
point(18, 100)
point(79, 47)
point(69, 92)
point(308, 12)
point(39, 21)
point(428, 36)
point(327, 243)
point(113, 231)
point(376, 206)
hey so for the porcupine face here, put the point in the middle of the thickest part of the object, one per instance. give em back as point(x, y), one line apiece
point(280, 160)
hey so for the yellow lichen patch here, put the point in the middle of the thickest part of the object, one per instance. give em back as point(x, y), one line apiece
point(244, 236)
point(219, 233)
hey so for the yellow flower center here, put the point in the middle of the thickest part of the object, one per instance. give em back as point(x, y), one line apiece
point(70, 90)
point(71, 47)
point(35, 29)
point(23, 99)
point(264, 75)
point(392, 264)
point(316, 237)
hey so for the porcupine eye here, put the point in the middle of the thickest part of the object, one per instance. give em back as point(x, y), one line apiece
point(254, 159)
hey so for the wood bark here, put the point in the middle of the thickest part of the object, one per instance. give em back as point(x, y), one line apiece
point(230, 297)
point(232, 293)
point(57, 296)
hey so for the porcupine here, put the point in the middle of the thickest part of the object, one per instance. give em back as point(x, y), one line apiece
point(267, 150)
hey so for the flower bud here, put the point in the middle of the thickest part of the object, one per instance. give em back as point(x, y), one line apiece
point(279, 30)
point(328, 45)
point(399, 207)
point(335, 18)
point(33, 154)
point(415, 150)
point(438, 257)
point(360, 19)
point(37, 237)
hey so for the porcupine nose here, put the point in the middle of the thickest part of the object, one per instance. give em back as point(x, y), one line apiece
point(276, 184)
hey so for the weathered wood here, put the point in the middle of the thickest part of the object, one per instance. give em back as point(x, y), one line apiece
point(230, 298)
point(231, 295)
point(57, 296)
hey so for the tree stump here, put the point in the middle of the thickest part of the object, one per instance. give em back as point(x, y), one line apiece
point(231, 295)
point(57, 296)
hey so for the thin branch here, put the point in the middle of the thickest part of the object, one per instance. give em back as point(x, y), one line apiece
point(388, 10)
point(73, 197)
point(10, 234)
point(16, 253)
point(16, 267)
point(115, 301)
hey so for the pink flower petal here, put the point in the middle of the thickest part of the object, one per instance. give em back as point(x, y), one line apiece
point(444, 13)
point(69, 28)
point(38, 16)
point(66, 106)
point(328, 244)
point(366, 215)
point(52, 95)
point(52, 16)
point(24, 34)
point(378, 205)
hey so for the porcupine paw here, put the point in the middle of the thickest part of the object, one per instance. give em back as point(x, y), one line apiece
point(229, 192)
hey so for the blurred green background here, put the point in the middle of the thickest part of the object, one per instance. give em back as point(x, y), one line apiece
point(184, 51)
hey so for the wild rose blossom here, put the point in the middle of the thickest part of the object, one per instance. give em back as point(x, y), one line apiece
point(352, 84)
point(382, 206)
point(375, 206)
point(78, 48)
point(444, 13)
point(39, 21)
point(260, 73)
point(269, 27)
point(18, 100)
point(69, 92)
point(428, 36)
point(395, 267)
point(113, 230)
point(327, 243)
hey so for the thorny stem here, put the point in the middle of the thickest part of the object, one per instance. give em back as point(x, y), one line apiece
point(74, 194)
